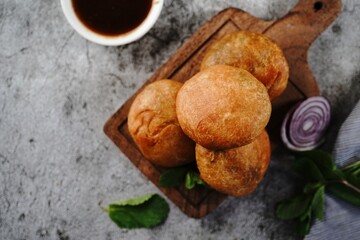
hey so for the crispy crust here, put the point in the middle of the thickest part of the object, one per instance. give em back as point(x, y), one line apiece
point(153, 125)
point(223, 107)
point(255, 53)
point(236, 171)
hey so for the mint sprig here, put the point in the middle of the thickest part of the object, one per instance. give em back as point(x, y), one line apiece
point(192, 179)
point(321, 173)
point(141, 212)
point(181, 175)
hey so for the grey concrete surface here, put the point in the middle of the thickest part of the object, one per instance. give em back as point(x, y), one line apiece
point(57, 90)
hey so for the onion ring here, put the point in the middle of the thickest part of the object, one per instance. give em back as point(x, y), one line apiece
point(304, 126)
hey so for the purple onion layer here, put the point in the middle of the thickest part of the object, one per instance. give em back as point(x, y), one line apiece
point(304, 126)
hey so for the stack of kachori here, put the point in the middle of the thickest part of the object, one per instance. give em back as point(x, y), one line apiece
point(223, 110)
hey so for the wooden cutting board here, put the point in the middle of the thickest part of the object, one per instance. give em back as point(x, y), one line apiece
point(293, 33)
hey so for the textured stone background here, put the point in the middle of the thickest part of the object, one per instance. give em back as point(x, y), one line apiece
point(57, 90)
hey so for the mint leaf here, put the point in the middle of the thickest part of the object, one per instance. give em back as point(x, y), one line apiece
point(132, 201)
point(141, 212)
point(308, 169)
point(317, 204)
point(324, 163)
point(352, 173)
point(192, 179)
point(293, 208)
point(345, 193)
point(312, 187)
point(173, 177)
point(303, 224)
point(353, 168)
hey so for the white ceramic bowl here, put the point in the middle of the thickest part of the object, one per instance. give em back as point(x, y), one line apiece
point(122, 39)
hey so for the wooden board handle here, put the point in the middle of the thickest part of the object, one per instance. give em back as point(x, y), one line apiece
point(304, 22)
point(299, 29)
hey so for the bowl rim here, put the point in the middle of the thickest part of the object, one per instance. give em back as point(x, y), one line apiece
point(117, 40)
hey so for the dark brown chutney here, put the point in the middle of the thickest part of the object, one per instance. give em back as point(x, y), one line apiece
point(112, 17)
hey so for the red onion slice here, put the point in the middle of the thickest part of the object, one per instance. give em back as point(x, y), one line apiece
point(305, 124)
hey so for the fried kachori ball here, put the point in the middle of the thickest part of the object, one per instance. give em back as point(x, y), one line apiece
point(236, 171)
point(255, 53)
point(223, 107)
point(153, 125)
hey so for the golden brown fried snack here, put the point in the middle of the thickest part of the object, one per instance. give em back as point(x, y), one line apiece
point(236, 171)
point(255, 53)
point(154, 126)
point(223, 107)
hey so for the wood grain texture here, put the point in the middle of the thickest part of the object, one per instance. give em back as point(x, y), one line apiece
point(293, 33)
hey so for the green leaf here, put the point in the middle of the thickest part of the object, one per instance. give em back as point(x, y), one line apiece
point(192, 179)
point(141, 212)
point(318, 203)
point(173, 177)
point(324, 163)
point(353, 167)
point(294, 207)
point(307, 168)
point(132, 201)
point(352, 173)
point(345, 193)
point(312, 187)
point(303, 224)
